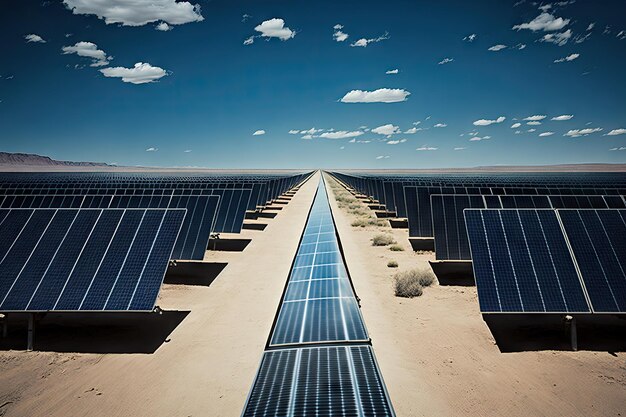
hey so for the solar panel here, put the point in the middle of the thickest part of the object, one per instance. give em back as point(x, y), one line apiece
point(319, 304)
point(197, 226)
point(598, 242)
point(84, 259)
point(319, 381)
point(522, 263)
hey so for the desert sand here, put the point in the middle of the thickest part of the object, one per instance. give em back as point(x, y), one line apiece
point(437, 355)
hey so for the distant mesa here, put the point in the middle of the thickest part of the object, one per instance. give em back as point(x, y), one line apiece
point(17, 159)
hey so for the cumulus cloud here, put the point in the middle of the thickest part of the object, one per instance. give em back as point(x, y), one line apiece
point(535, 118)
point(152, 149)
point(568, 58)
point(310, 131)
point(393, 71)
point(460, 148)
point(445, 61)
point(386, 130)
point(544, 134)
point(382, 95)
point(395, 142)
point(258, 132)
point(616, 132)
point(470, 38)
point(563, 117)
point(440, 125)
point(363, 42)
point(496, 48)
point(545, 22)
point(478, 138)
point(338, 35)
point(621, 148)
point(515, 125)
point(413, 130)
point(275, 28)
point(559, 38)
point(34, 38)
point(138, 12)
point(88, 50)
point(163, 27)
point(383, 157)
point(294, 132)
point(341, 134)
point(141, 73)
point(575, 133)
point(533, 123)
point(426, 148)
point(487, 122)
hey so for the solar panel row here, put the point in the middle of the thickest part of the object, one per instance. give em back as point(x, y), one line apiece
point(318, 307)
point(557, 261)
point(84, 259)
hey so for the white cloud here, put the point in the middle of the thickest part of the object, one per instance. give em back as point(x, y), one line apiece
point(341, 134)
point(294, 132)
point(249, 41)
point(363, 42)
point(497, 48)
point(386, 130)
point(545, 7)
point(34, 38)
point(544, 134)
point(575, 133)
point(515, 125)
point(478, 138)
point(163, 27)
point(591, 25)
point(141, 73)
point(413, 130)
point(187, 151)
point(460, 148)
point(558, 38)
point(563, 117)
point(520, 46)
point(311, 131)
point(88, 50)
point(258, 132)
point(568, 58)
point(151, 149)
point(487, 122)
point(382, 157)
point(343, 147)
point(440, 125)
point(616, 132)
point(393, 71)
point(338, 35)
point(426, 148)
point(275, 28)
point(245, 17)
point(533, 123)
point(382, 95)
point(621, 35)
point(445, 61)
point(138, 12)
point(545, 22)
point(535, 117)
point(470, 38)
point(307, 137)
point(395, 142)
point(621, 148)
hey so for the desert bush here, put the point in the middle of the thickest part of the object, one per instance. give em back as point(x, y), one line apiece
point(396, 248)
point(411, 283)
point(392, 264)
point(382, 239)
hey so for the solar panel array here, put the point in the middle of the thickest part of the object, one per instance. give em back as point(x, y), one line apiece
point(197, 227)
point(318, 360)
point(84, 259)
point(549, 261)
point(449, 231)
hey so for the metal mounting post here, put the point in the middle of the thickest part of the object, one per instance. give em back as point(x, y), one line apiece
point(31, 332)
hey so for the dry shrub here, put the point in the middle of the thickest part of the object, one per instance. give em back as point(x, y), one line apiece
point(392, 264)
point(410, 283)
point(396, 248)
point(382, 239)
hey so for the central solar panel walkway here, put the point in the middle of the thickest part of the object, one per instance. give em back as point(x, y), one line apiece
point(319, 360)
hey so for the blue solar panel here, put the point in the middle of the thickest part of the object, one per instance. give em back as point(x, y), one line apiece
point(84, 259)
point(319, 381)
point(598, 241)
point(522, 262)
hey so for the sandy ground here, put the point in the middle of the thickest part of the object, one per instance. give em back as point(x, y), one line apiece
point(205, 367)
point(438, 357)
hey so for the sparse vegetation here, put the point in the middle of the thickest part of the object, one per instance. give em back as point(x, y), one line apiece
point(411, 283)
point(383, 239)
point(396, 248)
point(392, 264)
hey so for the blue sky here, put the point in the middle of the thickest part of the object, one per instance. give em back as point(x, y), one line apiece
point(226, 69)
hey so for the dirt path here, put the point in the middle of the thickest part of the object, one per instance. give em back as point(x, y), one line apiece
point(438, 357)
point(207, 366)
